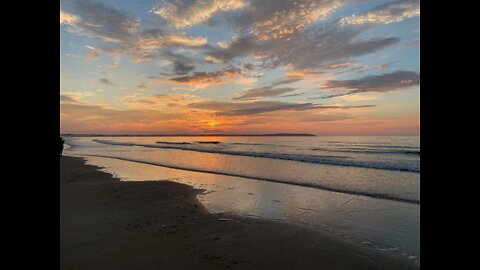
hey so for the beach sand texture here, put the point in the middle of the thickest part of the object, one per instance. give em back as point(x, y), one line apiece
point(106, 223)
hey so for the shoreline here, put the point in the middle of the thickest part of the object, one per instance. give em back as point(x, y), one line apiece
point(110, 224)
point(306, 185)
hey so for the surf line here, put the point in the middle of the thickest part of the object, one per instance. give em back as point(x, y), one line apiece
point(307, 185)
point(277, 156)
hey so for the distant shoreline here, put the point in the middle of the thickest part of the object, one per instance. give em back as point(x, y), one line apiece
point(195, 135)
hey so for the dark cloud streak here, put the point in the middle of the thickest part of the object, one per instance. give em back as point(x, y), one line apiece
point(259, 107)
point(266, 91)
point(374, 83)
point(106, 82)
point(206, 76)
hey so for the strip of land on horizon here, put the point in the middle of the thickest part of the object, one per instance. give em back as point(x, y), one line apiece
point(189, 135)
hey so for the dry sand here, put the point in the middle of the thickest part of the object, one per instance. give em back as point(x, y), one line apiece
point(110, 224)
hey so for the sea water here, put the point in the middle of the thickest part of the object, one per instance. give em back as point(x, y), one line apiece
point(362, 188)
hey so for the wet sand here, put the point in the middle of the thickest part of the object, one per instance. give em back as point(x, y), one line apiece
point(106, 223)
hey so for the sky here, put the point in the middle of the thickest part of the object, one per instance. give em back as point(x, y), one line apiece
point(326, 67)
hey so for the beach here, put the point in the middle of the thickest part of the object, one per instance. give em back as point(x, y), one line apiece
point(106, 223)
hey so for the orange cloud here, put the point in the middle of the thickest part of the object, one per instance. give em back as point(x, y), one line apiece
point(169, 114)
point(139, 101)
point(202, 80)
point(283, 23)
point(393, 12)
point(67, 18)
point(195, 12)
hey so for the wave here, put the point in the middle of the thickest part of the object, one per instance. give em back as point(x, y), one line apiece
point(363, 143)
point(173, 143)
point(387, 147)
point(262, 144)
point(316, 159)
point(200, 142)
point(217, 142)
point(372, 150)
point(309, 185)
point(369, 151)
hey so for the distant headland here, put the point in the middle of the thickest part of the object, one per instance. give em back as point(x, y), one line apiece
point(192, 135)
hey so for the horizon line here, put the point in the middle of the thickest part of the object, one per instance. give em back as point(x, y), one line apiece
point(189, 135)
point(226, 135)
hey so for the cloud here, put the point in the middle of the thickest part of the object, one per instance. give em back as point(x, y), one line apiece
point(317, 73)
point(151, 43)
point(295, 34)
point(202, 80)
point(265, 19)
point(67, 98)
point(356, 98)
point(159, 101)
point(302, 48)
point(157, 38)
point(98, 21)
point(67, 18)
point(388, 13)
point(238, 47)
point(143, 113)
point(147, 114)
point(93, 54)
point(318, 47)
point(186, 13)
point(409, 44)
point(266, 91)
point(182, 68)
point(75, 96)
point(181, 40)
point(181, 65)
point(293, 95)
point(120, 33)
point(288, 80)
point(374, 83)
point(98, 116)
point(259, 107)
point(310, 48)
point(142, 85)
point(106, 81)
point(280, 19)
point(206, 77)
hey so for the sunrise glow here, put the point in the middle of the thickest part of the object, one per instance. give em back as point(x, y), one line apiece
point(328, 67)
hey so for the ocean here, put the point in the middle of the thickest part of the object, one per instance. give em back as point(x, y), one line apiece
point(362, 188)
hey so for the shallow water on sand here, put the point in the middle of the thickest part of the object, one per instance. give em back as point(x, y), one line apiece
point(387, 226)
